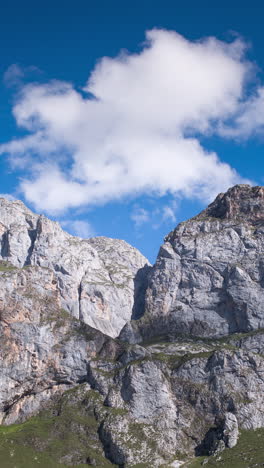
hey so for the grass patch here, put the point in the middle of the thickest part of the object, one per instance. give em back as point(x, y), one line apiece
point(6, 266)
point(249, 452)
point(58, 317)
point(177, 360)
point(61, 436)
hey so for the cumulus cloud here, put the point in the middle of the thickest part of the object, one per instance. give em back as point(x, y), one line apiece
point(135, 126)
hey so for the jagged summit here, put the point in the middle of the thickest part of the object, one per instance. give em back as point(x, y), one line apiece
point(208, 277)
point(242, 202)
point(99, 279)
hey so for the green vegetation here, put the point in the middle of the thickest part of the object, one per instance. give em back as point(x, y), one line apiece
point(239, 336)
point(64, 435)
point(141, 465)
point(224, 342)
point(6, 266)
point(58, 317)
point(249, 452)
point(177, 360)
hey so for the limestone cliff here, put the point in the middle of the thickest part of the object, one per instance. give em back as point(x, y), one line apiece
point(208, 277)
point(186, 375)
point(98, 279)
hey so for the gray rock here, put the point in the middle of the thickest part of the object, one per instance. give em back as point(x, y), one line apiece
point(230, 430)
point(100, 280)
point(208, 277)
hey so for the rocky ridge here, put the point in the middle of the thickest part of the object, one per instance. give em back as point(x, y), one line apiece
point(186, 375)
point(100, 280)
point(208, 277)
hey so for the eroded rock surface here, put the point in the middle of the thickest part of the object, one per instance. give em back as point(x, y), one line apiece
point(44, 350)
point(101, 281)
point(208, 277)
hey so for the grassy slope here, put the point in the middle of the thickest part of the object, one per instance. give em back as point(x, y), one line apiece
point(249, 452)
point(68, 429)
point(67, 435)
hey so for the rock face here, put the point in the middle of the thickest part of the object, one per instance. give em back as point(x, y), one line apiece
point(208, 277)
point(175, 400)
point(44, 350)
point(98, 278)
point(186, 373)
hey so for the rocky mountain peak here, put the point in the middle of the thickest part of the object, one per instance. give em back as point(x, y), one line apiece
point(100, 280)
point(208, 277)
point(242, 202)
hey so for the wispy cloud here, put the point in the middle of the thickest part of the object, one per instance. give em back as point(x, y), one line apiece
point(137, 130)
point(169, 212)
point(78, 228)
point(15, 74)
point(155, 217)
point(139, 216)
point(8, 196)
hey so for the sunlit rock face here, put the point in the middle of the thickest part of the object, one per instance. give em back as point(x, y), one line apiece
point(100, 280)
point(178, 382)
point(208, 277)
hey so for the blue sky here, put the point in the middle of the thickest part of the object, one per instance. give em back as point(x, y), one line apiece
point(126, 147)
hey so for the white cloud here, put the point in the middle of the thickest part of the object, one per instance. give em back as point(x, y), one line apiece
point(139, 216)
point(249, 119)
point(15, 74)
point(78, 228)
point(169, 214)
point(139, 131)
point(155, 217)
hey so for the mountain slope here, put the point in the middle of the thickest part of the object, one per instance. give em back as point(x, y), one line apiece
point(184, 378)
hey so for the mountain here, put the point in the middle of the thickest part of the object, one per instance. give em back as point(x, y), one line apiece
point(97, 279)
point(107, 361)
point(208, 277)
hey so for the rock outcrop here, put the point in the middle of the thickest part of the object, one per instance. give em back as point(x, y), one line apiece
point(208, 277)
point(100, 280)
point(44, 350)
point(185, 375)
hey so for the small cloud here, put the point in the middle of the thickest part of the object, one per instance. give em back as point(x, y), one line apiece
point(164, 215)
point(169, 213)
point(7, 196)
point(15, 74)
point(78, 228)
point(155, 217)
point(139, 216)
